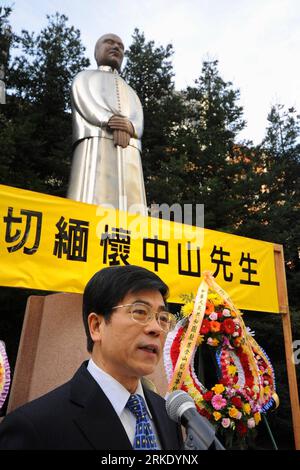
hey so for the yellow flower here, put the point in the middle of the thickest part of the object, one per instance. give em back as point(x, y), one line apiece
point(247, 408)
point(257, 418)
point(215, 299)
point(267, 390)
point(233, 412)
point(231, 370)
point(218, 388)
point(238, 341)
point(199, 340)
point(213, 342)
point(217, 415)
point(187, 309)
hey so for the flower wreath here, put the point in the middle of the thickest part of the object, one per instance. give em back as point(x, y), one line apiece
point(246, 380)
point(4, 374)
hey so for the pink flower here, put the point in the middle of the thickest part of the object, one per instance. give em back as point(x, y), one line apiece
point(210, 341)
point(251, 423)
point(225, 422)
point(218, 402)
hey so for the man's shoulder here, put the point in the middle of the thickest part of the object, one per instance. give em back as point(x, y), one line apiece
point(91, 72)
point(86, 75)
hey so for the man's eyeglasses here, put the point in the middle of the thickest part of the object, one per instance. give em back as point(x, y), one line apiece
point(143, 314)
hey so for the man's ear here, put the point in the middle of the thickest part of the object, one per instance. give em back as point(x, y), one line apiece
point(95, 323)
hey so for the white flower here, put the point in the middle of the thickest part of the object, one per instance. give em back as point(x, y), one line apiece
point(249, 331)
point(225, 422)
point(251, 423)
point(213, 316)
point(226, 312)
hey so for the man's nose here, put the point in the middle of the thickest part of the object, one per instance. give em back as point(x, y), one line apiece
point(153, 326)
point(116, 46)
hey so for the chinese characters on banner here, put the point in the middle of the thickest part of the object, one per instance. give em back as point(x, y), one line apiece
point(56, 244)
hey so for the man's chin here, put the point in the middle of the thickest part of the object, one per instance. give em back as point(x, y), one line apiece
point(113, 63)
point(147, 370)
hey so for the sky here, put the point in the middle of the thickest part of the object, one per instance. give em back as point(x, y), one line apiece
point(257, 42)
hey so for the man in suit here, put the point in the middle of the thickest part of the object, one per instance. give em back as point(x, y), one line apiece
point(126, 323)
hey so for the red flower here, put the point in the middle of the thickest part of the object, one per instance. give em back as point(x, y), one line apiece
point(208, 396)
point(228, 326)
point(205, 327)
point(241, 428)
point(237, 402)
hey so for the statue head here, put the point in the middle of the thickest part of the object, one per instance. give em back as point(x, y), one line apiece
point(109, 50)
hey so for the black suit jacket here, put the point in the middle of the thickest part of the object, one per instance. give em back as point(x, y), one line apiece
point(78, 415)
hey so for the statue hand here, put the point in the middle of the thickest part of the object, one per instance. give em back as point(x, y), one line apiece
point(121, 138)
point(121, 124)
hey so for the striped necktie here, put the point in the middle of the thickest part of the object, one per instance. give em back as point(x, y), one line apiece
point(144, 436)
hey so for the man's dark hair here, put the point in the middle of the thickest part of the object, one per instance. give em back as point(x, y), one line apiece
point(110, 285)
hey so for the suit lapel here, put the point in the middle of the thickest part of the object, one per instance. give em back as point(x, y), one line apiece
point(95, 416)
point(99, 423)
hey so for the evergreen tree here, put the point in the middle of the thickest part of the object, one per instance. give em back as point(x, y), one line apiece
point(281, 197)
point(214, 161)
point(5, 39)
point(36, 138)
point(273, 214)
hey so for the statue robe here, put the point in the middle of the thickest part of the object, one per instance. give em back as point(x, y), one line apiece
point(102, 173)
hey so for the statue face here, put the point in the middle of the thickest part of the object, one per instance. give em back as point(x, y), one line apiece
point(109, 50)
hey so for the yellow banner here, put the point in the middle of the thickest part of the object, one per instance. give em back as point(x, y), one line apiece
point(57, 244)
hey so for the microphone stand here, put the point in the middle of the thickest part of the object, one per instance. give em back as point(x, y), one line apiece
point(194, 442)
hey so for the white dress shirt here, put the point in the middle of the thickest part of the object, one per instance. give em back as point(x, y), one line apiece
point(118, 395)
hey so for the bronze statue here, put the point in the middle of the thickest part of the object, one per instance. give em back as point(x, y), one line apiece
point(107, 131)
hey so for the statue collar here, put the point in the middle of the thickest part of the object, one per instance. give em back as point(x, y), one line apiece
point(107, 68)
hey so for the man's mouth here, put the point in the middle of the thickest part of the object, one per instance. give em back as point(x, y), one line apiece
point(151, 348)
point(115, 53)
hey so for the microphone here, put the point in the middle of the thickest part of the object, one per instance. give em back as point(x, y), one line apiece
point(200, 433)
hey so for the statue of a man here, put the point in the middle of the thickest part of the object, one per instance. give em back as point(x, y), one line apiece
point(107, 131)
